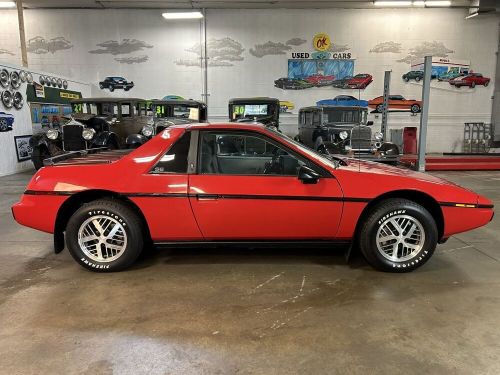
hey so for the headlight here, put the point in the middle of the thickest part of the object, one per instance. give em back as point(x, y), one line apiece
point(52, 134)
point(378, 136)
point(147, 131)
point(88, 134)
point(343, 135)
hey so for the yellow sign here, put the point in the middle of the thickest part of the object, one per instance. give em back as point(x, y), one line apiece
point(321, 42)
point(68, 95)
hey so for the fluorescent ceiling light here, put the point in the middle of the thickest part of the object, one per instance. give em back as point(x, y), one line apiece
point(7, 4)
point(472, 15)
point(392, 3)
point(437, 3)
point(182, 15)
point(419, 3)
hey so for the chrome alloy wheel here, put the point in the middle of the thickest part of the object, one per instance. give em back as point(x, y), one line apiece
point(400, 238)
point(102, 238)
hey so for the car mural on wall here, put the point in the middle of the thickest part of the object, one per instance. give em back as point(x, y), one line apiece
point(359, 81)
point(470, 80)
point(341, 82)
point(417, 75)
point(186, 184)
point(446, 77)
point(344, 100)
point(113, 83)
point(6, 121)
point(319, 80)
point(396, 103)
point(292, 84)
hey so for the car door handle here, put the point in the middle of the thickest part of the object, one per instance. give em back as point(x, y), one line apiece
point(207, 197)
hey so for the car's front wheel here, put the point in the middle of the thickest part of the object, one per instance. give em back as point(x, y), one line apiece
point(415, 108)
point(398, 235)
point(105, 236)
point(4, 125)
point(486, 83)
point(111, 88)
point(473, 84)
point(417, 78)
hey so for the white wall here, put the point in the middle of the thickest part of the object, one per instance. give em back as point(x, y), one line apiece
point(475, 40)
point(22, 122)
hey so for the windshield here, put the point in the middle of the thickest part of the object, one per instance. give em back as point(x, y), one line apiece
point(239, 111)
point(344, 116)
point(181, 111)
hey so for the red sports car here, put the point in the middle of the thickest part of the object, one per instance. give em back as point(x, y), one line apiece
point(320, 80)
point(245, 184)
point(359, 81)
point(470, 80)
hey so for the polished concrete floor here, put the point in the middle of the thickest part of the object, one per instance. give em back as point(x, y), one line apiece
point(227, 311)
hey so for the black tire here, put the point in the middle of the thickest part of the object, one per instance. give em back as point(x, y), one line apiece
point(101, 86)
point(398, 209)
point(111, 88)
point(4, 125)
point(106, 209)
point(486, 83)
point(472, 85)
point(38, 155)
point(417, 78)
point(415, 108)
point(380, 108)
point(406, 79)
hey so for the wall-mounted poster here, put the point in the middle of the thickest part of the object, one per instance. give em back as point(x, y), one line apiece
point(6, 122)
point(23, 148)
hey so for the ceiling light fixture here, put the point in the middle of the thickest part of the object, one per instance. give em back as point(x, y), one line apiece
point(7, 4)
point(437, 3)
point(182, 15)
point(472, 15)
point(393, 3)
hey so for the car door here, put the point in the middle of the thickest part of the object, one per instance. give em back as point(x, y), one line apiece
point(246, 188)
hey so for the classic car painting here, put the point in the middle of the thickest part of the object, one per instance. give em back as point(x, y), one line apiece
point(417, 75)
point(286, 106)
point(113, 83)
point(396, 103)
point(292, 84)
point(319, 80)
point(359, 81)
point(344, 100)
point(215, 184)
point(341, 82)
point(470, 80)
point(6, 121)
point(446, 77)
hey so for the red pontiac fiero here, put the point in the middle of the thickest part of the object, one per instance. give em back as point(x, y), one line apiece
point(247, 184)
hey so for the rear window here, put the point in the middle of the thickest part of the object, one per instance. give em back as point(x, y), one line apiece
point(175, 159)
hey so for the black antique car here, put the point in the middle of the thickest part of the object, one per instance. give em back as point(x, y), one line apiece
point(113, 83)
point(344, 130)
point(94, 123)
point(263, 110)
point(165, 113)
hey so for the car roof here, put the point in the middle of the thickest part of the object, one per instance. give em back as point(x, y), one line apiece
point(107, 100)
point(255, 100)
point(178, 102)
point(220, 125)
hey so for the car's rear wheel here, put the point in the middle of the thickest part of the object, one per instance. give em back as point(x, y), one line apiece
point(486, 83)
point(105, 236)
point(111, 88)
point(101, 86)
point(406, 79)
point(473, 84)
point(398, 235)
point(4, 125)
point(415, 108)
point(380, 108)
point(417, 78)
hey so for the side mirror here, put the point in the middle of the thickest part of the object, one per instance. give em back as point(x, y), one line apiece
point(308, 176)
point(369, 123)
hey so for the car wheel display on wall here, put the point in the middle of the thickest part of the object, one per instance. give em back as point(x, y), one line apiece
point(53, 81)
point(22, 76)
point(29, 77)
point(65, 84)
point(18, 100)
point(59, 82)
point(41, 80)
point(7, 99)
point(4, 78)
point(15, 80)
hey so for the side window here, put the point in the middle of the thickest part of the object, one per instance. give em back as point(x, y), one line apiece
point(175, 159)
point(316, 118)
point(308, 118)
point(127, 110)
point(244, 154)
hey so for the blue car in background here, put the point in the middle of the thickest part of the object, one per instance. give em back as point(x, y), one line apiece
point(6, 121)
point(343, 100)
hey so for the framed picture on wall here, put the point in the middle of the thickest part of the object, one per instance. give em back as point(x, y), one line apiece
point(23, 148)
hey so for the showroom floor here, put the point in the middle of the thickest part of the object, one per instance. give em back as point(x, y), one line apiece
point(230, 311)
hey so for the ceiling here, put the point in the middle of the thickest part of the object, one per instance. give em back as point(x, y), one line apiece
point(209, 4)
